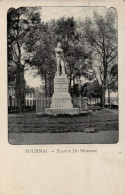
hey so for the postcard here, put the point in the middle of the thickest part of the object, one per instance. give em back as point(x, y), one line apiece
point(62, 97)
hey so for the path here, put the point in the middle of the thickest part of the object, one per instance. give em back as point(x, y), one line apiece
point(102, 137)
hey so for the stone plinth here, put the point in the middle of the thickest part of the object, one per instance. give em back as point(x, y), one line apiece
point(51, 111)
point(61, 99)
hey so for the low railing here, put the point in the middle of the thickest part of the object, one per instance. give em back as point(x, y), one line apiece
point(78, 102)
point(45, 102)
point(14, 109)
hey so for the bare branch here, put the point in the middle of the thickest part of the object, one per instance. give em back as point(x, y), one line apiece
point(98, 50)
point(14, 60)
point(14, 52)
point(111, 51)
point(112, 58)
point(89, 36)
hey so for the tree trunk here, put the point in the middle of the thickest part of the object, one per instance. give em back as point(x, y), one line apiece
point(50, 89)
point(20, 87)
point(10, 98)
point(52, 85)
point(73, 85)
point(19, 75)
point(108, 97)
point(90, 102)
point(73, 80)
point(19, 105)
point(104, 82)
point(103, 98)
point(70, 82)
point(70, 79)
point(46, 85)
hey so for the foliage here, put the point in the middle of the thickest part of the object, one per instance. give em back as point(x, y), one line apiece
point(87, 90)
point(85, 44)
point(29, 89)
point(75, 90)
point(100, 33)
point(20, 23)
point(113, 80)
point(43, 59)
point(92, 89)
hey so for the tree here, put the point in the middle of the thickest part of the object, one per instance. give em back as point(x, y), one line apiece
point(87, 90)
point(20, 22)
point(114, 78)
point(44, 59)
point(96, 90)
point(75, 91)
point(91, 90)
point(101, 35)
point(112, 82)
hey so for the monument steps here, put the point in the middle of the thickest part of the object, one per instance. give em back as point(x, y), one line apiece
point(71, 111)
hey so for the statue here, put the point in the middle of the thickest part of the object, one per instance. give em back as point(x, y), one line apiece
point(60, 60)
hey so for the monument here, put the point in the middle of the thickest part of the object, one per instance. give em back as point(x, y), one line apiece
point(61, 100)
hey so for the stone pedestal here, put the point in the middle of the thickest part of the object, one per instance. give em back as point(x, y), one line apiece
point(61, 99)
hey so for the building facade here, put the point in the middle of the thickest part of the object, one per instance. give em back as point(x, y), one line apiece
point(30, 99)
point(12, 102)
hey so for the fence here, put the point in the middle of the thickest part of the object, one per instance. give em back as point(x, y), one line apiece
point(45, 102)
point(14, 109)
point(77, 102)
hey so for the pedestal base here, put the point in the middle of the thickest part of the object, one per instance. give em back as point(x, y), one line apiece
point(61, 98)
point(71, 111)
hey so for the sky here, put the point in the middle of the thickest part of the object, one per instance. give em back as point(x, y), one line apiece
point(48, 13)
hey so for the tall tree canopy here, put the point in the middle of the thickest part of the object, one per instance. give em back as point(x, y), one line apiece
point(20, 22)
point(101, 35)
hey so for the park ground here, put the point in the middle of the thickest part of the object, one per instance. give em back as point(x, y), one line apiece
point(29, 128)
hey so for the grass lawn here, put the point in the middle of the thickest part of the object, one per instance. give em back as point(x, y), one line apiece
point(104, 120)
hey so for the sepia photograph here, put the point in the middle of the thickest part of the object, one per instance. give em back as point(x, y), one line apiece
point(62, 68)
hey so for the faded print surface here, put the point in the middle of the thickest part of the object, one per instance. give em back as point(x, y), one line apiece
point(62, 75)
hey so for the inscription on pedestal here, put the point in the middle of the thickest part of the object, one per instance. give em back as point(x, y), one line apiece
point(61, 85)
